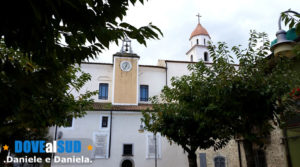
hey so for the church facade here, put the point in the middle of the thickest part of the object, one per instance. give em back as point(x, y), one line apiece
point(125, 87)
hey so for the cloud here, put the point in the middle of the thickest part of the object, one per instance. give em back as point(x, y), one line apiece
point(229, 21)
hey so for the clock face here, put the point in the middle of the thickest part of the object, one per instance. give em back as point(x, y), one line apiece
point(125, 66)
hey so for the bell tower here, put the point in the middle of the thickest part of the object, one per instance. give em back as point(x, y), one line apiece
point(125, 76)
point(199, 40)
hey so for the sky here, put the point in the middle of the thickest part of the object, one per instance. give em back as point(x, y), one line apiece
point(228, 21)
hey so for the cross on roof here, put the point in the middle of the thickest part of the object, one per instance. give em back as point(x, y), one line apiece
point(198, 15)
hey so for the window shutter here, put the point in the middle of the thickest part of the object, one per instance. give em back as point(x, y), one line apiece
point(202, 159)
point(103, 91)
point(100, 142)
point(144, 91)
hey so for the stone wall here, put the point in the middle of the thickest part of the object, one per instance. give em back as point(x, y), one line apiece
point(230, 152)
point(274, 151)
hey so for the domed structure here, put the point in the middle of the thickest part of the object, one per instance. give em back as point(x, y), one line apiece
point(199, 40)
point(199, 30)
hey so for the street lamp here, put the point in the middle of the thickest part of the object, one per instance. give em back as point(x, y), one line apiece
point(141, 130)
point(283, 47)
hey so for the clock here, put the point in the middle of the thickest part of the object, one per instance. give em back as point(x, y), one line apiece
point(125, 66)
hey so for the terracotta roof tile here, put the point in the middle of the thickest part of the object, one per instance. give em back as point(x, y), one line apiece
point(199, 30)
point(110, 107)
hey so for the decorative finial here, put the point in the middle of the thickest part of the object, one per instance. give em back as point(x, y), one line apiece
point(198, 15)
point(126, 46)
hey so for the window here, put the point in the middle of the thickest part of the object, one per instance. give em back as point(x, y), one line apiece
point(104, 122)
point(144, 92)
point(191, 58)
point(205, 56)
point(127, 163)
point(68, 122)
point(197, 41)
point(202, 159)
point(219, 161)
point(204, 41)
point(103, 91)
point(127, 150)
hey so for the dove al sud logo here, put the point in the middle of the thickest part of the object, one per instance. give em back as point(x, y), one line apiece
point(40, 146)
point(63, 147)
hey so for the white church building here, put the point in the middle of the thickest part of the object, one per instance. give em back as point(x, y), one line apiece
point(124, 88)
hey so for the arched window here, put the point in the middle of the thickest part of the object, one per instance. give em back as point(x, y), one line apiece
point(192, 59)
point(127, 163)
point(204, 42)
point(197, 41)
point(219, 161)
point(205, 56)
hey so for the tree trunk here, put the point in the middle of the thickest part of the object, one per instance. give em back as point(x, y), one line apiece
point(192, 159)
point(249, 153)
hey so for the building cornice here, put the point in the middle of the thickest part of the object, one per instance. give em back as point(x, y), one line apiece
point(109, 107)
point(129, 55)
point(98, 63)
point(189, 62)
point(194, 47)
point(152, 66)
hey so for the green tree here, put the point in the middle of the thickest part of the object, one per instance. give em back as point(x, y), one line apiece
point(23, 133)
point(219, 101)
point(40, 43)
point(34, 99)
point(69, 30)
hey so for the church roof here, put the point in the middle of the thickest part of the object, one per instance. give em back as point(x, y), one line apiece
point(199, 30)
point(109, 107)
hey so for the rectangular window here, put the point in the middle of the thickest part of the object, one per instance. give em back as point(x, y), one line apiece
point(104, 122)
point(202, 159)
point(103, 91)
point(144, 91)
point(127, 150)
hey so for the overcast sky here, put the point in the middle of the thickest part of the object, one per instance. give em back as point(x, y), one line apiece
point(225, 20)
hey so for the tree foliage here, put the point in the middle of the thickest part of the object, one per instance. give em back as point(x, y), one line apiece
point(70, 31)
point(34, 98)
point(40, 43)
point(219, 101)
point(292, 20)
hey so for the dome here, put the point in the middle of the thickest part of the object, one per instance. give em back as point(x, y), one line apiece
point(199, 30)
